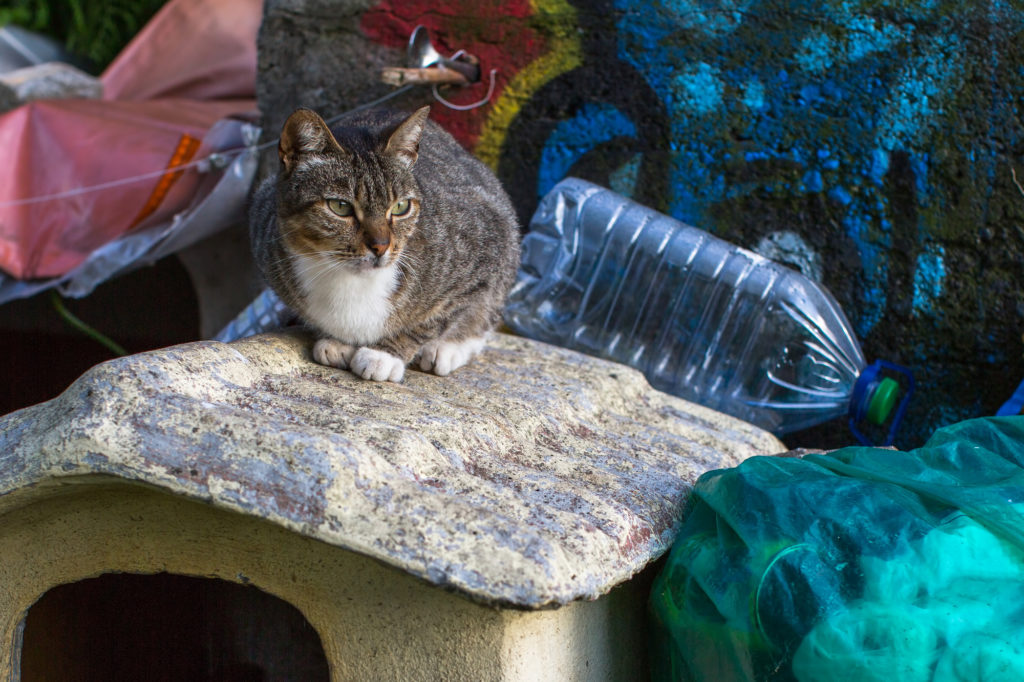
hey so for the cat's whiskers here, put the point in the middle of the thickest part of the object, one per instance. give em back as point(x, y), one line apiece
point(287, 257)
point(406, 261)
point(310, 267)
point(303, 263)
point(325, 267)
point(322, 268)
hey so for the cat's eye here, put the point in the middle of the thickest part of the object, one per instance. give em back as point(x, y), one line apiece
point(401, 207)
point(339, 207)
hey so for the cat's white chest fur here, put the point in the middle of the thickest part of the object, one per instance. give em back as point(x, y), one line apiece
point(351, 305)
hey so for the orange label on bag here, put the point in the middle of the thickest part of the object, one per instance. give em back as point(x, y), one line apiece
point(183, 153)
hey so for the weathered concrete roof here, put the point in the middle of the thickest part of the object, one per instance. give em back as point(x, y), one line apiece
point(534, 476)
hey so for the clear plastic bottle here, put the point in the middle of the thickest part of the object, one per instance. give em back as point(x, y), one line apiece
point(703, 319)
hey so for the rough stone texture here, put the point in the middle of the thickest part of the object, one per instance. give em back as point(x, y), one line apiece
point(532, 477)
point(52, 80)
point(883, 135)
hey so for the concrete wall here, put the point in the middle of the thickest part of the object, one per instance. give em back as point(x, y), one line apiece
point(870, 144)
point(883, 134)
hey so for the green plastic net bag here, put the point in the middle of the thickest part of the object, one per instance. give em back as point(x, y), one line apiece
point(861, 565)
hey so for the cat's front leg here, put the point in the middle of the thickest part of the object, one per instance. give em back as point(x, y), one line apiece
point(368, 363)
point(377, 365)
point(386, 359)
point(443, 357)
point(333, 353)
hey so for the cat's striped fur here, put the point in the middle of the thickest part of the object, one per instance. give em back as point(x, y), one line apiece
point(387, 238)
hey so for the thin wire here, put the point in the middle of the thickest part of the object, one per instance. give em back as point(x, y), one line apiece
point(205, 161)
point(467, 107)
point(66, 194)
point(379, 100)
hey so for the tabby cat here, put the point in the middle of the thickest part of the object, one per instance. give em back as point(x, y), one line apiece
point(391, 241)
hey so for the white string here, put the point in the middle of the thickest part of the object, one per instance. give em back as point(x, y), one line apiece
point(217, 159)
point(67, 194)
point(379, 100)
point(467, 107)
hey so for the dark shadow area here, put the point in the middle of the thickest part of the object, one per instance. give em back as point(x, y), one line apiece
point(42, 354)
point(125, 627)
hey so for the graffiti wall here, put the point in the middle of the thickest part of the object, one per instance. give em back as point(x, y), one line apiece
point(874, 145)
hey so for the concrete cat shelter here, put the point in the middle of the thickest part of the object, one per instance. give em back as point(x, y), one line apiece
point(483, 526)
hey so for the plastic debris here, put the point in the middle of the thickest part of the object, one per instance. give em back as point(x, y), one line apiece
point(93, 187)
point(863, 564)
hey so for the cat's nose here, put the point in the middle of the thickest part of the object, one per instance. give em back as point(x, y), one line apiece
point(379, 247)
point(377, 237)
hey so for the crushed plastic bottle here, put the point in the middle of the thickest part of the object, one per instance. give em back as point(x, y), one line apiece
point(703, 319)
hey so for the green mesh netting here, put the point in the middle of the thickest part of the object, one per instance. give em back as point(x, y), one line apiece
point(864, 564)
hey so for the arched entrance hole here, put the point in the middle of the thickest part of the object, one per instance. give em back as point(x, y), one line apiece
point(159, 627)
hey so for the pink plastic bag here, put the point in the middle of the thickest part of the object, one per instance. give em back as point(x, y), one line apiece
point(192, 65)
point(194, 49)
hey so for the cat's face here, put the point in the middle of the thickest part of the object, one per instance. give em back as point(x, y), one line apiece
point(355, 205)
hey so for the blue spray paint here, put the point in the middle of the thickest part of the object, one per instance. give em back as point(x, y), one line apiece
point(571, 139)
point(809, 114)
point(697, 89)
point(623, 179)
point(866, 85)
point(753, 95)
point(928, 279)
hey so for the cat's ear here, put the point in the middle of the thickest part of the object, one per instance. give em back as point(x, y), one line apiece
point(404, 143)
point(304, 133)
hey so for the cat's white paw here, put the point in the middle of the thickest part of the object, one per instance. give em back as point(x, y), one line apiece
point(444, 357)
point(377, 365)
point(333, 353)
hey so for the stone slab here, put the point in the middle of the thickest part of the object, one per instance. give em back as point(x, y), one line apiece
point(532, 477)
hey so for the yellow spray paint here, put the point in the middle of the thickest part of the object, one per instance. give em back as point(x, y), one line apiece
point(566, 53)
